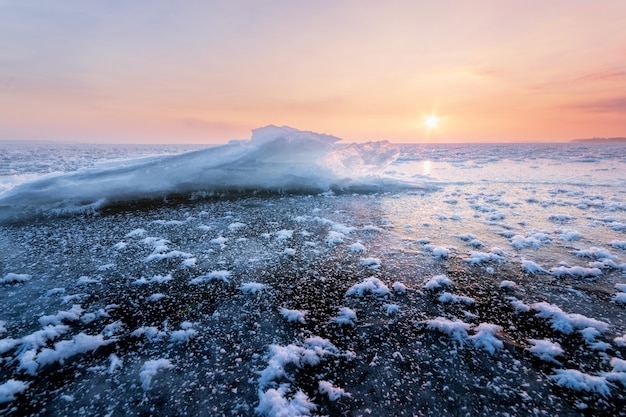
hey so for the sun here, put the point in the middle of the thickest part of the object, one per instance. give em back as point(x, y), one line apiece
point(431, 121)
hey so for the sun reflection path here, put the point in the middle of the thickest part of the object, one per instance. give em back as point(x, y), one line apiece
point(426, 167)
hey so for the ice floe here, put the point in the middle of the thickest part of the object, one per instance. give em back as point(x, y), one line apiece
point(274, 159)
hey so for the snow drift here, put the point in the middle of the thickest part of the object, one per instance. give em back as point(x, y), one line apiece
point(275, 159)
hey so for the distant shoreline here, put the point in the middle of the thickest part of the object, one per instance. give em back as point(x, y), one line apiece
point(601, 140)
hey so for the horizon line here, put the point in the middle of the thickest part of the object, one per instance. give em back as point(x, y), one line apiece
point(617, 139)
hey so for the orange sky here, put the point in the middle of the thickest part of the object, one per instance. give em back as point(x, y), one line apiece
point(209, 71)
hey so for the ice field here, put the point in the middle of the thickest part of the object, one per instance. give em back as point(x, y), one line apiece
point(288, 275)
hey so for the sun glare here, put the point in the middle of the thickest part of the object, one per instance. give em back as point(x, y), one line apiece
point(431, 121)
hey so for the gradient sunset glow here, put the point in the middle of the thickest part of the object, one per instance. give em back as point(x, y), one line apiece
point(210, 71)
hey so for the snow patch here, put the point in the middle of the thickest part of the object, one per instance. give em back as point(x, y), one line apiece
point(437, 282)
point(12, 278)
point(371, 263)
point(116, 363)
point(281, 399)
point(619, 341)
point(185, 334)
point(334, 238)
point(531, 267)
point(575, 271)
point(346, 317)
point(506, 284)
point(399, 288)
point(221, 275)
point(485, 337)
point(334, 393)
point(236, 226)
point(357, 247)
point(157, 279)
point(567, 323)
point(372, 285)
point(276, 402)
point(594, 252)
point(391, 309)
point(294, 315)
point(440, 252)
point(81, 343)
point(561, 218)
point(619, 244)
point(283, 235)
point(568, 235)
point(579, 381)
point(137, 233)
point(455, 329)
point(149, 370)
point(9, 389)
point(545, 349)
point(495, 255)
point(532, 240)
point(72, 314)
point(253, 287)
point(447, 297)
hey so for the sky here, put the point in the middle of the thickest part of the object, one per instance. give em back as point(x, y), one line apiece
point(118, 71)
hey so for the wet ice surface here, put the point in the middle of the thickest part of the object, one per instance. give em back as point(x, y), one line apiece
point(202, 287)
point(472, 298)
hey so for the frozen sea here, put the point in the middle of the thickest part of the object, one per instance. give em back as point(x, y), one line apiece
point(290, 275)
